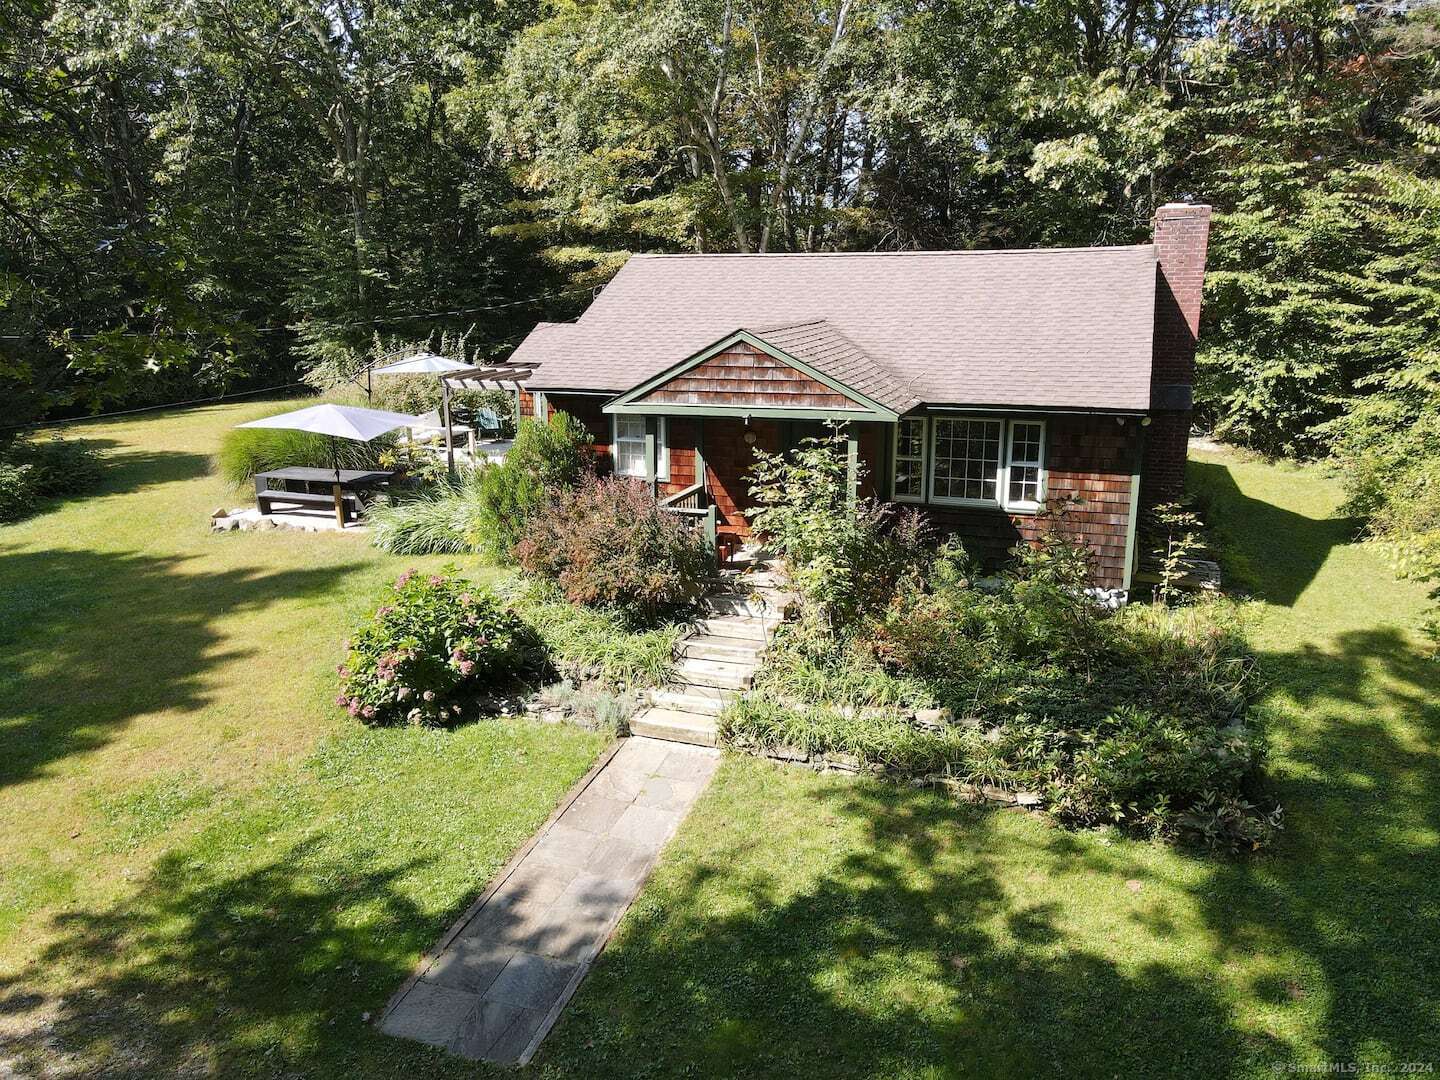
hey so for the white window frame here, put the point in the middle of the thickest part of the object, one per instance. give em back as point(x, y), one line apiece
point(662, 446)
point(951, 500)
point(1002, 474)
point(923, 460)
point(1024, 505)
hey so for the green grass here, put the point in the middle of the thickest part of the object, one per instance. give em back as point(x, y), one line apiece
point(204, 865)
point(809, 925)
point(206, 869)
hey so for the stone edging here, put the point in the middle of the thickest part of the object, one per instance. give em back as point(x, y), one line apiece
point(849, 763)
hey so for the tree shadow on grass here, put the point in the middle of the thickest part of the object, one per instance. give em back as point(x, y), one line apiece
point(910, 956)
point(90, 640)
point(125, 469)
point(1354, 887)
point(205, 971)
point(1278, 551)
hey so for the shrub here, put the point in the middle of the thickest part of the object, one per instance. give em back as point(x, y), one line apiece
point(550, 455)
point(1139, 719)
point(17, 490)
point(247, 451)
point(433, 643)
point(32, 469)
point(843, 554)
point(440, 519)
point(607, 543)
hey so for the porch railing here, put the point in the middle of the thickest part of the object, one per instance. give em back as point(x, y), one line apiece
point(693, 504)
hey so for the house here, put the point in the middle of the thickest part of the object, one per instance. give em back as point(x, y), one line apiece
point(975, 385)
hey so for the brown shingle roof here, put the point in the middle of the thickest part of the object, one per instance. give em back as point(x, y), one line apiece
point(831, 353)
point(1063, 328)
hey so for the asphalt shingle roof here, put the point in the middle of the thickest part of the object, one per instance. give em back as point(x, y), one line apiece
point(1062, 328)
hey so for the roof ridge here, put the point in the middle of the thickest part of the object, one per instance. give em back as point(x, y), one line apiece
point(890, 254)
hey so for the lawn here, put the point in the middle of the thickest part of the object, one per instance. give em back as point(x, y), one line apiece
point(203, 863)
point(207, 869)
point(807, 924)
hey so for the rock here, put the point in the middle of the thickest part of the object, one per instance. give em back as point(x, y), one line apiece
point(265, 524)
point(244, 524)
point(788, 753)
point(995, 794)
point(218, 512)
point(842, 762)
point(990, 584)
point(932, 719)
point(1027, 798)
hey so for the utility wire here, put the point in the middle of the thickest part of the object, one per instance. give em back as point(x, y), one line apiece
point(358, 322)
point(150, 408)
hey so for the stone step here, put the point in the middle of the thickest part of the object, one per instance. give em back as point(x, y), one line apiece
point(745, 627)
point(658, 723)
point(746, 603)
point(730, 649)
point(715, 673)
point(701, 700)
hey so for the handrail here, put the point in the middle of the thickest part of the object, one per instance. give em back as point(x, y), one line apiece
point(694, 496)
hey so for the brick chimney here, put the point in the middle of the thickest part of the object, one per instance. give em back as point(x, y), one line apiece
point(1181, 235)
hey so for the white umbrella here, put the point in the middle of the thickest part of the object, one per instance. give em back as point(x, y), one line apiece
point(428, 363)
point(337, 421)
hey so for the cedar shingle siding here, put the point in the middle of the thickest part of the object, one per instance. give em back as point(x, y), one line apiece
point(1089, 461)
point(745, 375)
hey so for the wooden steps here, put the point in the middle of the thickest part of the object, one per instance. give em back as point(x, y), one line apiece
point(717, 660)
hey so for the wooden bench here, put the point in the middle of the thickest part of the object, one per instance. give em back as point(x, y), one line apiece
point(351, 501)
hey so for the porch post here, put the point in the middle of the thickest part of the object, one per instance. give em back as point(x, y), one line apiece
point(652, 467)
point(852, 463)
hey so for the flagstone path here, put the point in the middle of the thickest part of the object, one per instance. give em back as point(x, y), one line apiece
point(499, 979)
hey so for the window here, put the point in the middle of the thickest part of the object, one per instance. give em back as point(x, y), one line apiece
point(628, 447)
point(910, 459)
point(1023, 473)
point(965, 466)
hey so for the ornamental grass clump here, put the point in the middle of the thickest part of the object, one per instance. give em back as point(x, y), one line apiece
point(435, 642)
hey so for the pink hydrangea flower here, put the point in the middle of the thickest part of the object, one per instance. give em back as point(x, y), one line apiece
point(354, 709)
point(368, 712)
point(436, 579)
point(404, 579)
point(342, 701)
point(428, 695)
point(467, 666)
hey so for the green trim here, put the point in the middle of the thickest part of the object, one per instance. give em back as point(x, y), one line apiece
point(872, 409)
point(1132, 526)
point(767, 412)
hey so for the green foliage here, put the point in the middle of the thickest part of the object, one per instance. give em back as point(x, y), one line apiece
point(32, 469)
point(1141, 719)
point(587, 643)
point(607, 543)
point(843, 554)
point(545, 456)
point(433, 643)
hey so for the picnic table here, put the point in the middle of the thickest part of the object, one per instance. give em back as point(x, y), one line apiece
point(304, 486)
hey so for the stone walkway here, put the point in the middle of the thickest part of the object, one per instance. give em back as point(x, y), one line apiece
point(498, 980)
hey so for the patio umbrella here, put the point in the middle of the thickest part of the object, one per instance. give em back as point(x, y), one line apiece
point(427, 363)
point(338, 422)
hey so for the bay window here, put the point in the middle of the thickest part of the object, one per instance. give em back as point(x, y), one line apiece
point(970, 461)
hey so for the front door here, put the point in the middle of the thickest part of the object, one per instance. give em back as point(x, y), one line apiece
point(729, 449)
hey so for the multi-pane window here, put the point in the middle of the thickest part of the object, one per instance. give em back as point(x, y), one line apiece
point(1027, 440)
point(910, 459)
point(629, 447)
point(966, 464)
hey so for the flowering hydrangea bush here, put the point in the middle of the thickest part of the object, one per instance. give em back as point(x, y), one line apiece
point(434, 641)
